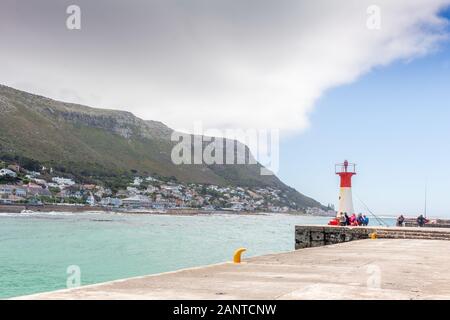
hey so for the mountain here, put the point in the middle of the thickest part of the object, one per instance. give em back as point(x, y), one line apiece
point(95, 145)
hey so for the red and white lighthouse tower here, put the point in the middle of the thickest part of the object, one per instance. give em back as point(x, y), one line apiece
point(345, 171)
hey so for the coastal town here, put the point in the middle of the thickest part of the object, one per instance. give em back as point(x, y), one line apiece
point(21, 186)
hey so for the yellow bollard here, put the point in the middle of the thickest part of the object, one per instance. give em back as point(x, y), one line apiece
point(237, 255)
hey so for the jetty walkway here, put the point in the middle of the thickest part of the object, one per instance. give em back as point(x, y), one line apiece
point(363, 269)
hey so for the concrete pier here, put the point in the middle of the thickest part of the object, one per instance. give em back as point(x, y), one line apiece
point(315, 236)
point(434, 223)
point(365, 269)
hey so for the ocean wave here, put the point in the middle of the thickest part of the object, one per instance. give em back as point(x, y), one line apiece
point(30, 213)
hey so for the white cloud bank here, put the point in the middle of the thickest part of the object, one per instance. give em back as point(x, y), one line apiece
point(229, 64)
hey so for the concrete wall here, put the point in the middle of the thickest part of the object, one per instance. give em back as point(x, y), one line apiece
point(11, 208)
point(316, 236)
point(434, 223)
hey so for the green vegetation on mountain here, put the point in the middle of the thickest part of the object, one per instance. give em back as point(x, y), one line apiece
point(107, 146)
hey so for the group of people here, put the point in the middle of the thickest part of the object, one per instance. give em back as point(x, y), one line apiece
point(354, 220)
point(421, 221)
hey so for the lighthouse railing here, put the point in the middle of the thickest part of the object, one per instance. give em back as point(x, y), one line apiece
point(341, 167)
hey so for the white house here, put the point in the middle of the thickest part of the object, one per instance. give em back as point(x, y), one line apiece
point(7, 172)
point(41, 182)
point(237, 206)
point(20, 192)
point(137, 201)
point(33, 174)
point(137, 181)
point(63, 181)
point(90, 200)
point(51, 184)
point(133, 190)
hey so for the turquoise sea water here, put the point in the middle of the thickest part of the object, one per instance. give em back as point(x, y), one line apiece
point(36, 249)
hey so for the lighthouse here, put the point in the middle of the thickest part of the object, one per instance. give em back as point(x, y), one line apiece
point(345, 171)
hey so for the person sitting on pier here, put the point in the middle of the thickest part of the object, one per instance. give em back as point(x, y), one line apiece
point(343, 219)
point(365, 220)
point(360, 219)
point(400, 221)
point(353, 220)
point(421, 221)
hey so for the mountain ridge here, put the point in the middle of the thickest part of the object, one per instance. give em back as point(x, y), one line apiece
point(103, 144)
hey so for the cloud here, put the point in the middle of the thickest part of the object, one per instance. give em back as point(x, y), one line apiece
point(227, 63)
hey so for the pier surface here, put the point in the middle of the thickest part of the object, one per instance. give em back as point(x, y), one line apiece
point(364, 269)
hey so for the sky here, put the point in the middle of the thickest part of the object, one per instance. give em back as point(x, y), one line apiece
point(335, 85)
point(394, 124)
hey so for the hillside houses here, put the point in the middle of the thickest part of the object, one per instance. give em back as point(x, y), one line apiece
point(34, 190)
point(111, 202)
point(141, 192)
point(19, 193)
point(6, 190)
point(137, 201)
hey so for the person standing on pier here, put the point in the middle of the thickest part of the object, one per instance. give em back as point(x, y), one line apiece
point(400, 221)
point(347, 219)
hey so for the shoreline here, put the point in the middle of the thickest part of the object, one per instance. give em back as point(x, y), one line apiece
point(18, 208)
point(171, 212)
